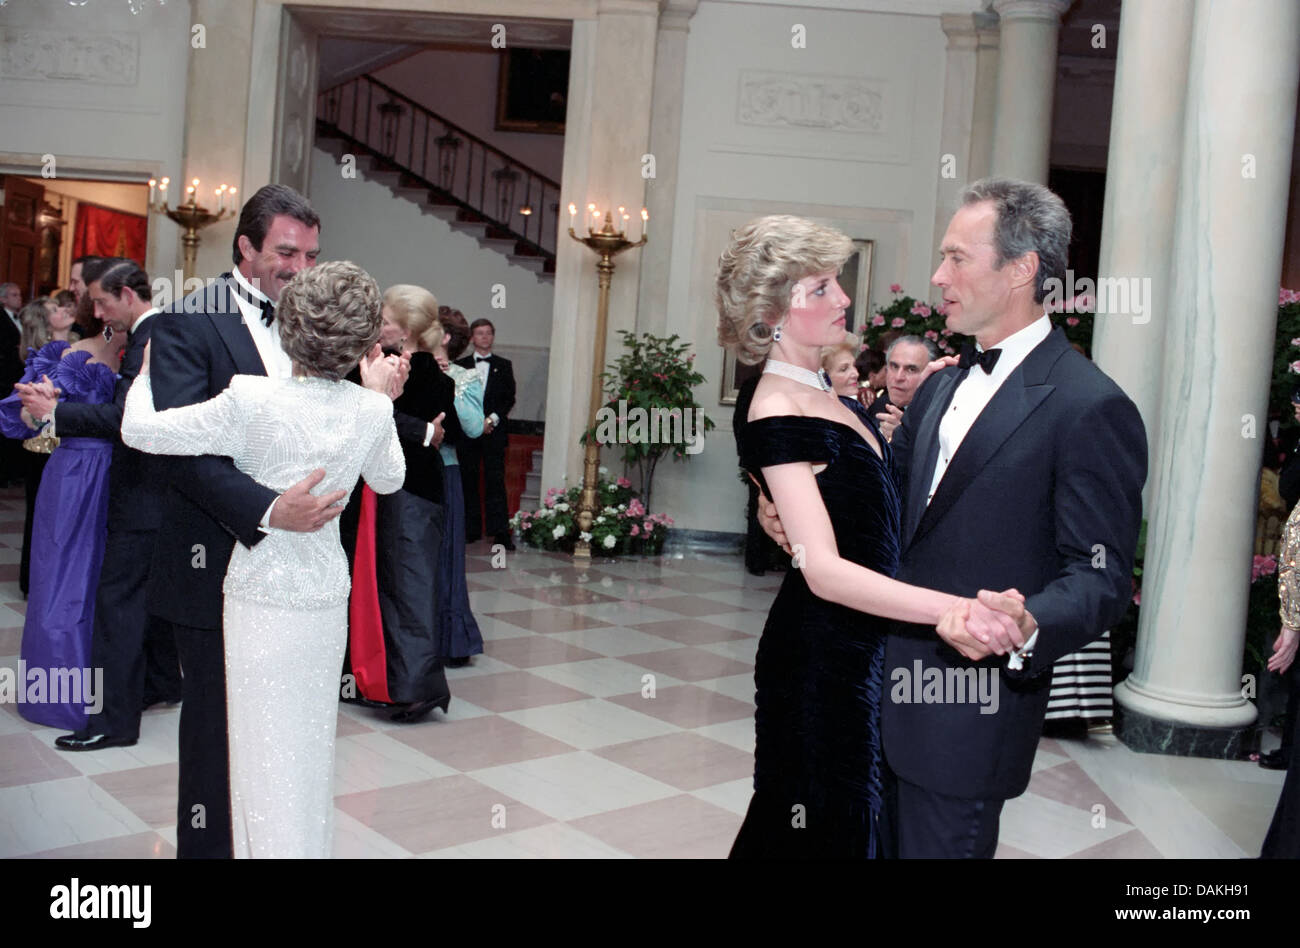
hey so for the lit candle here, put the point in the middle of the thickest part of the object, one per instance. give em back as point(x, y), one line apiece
point(645, 223)
point(625, 223)
point(153, 187)
point(234, 205)
point(573, 215)
point(162, 191)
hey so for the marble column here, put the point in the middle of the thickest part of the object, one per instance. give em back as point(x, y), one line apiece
point(665, 144)
point(1137, 234)
point(969, 87)
point(1185, 695)
point(607, 130)
point(1026, 86)
point(216, 107)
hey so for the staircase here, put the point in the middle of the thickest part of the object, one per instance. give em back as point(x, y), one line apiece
point(424, 158)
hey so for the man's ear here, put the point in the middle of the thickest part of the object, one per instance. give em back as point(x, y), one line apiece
point(246, 248)
point(1024, 269)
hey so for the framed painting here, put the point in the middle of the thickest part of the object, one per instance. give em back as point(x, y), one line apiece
point(532, 90)
point(855, 280)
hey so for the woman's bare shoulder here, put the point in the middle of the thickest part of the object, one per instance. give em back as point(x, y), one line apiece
point(773, 397)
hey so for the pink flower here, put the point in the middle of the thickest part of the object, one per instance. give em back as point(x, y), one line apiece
point(1295, 367)
point(623, 482)
point(920, 309)
point(895, 288)
point(931, 334)
point(898, 322)
point(940, 311)
point(1262, 566)
point(947, 333)
point(1072, 320)
point(1285, 296)
point(635, 531)
point(648, 527)
point(877, 320)
point(1137, 597)
point(660, 376)
point(1296, 341)
point(635, 508)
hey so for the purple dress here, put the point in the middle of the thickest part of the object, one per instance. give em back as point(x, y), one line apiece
point(55, 682)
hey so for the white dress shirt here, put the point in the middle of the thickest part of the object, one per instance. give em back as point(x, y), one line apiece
point(971, 398)
point(275, 360)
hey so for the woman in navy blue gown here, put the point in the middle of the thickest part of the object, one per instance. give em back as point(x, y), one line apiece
point(819, 670)
point(68, 532)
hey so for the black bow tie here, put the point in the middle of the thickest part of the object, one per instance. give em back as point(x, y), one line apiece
point(970, 356)
point(266, 306)
point(478, 359)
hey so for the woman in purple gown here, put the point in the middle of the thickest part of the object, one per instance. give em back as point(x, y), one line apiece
point(67, 543)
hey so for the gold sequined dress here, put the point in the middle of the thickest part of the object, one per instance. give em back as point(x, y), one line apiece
point(285, 621)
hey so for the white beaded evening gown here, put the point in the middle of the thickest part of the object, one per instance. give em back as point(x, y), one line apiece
point(285, 621)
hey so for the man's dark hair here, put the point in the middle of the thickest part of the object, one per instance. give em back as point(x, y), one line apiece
point(64, 298)
point(268, 203)
point(869, 361)
point(92, 268)
point(482, 322)
point(1029, 218)
point(84, 259)
point(121, 274)
point(456, 329)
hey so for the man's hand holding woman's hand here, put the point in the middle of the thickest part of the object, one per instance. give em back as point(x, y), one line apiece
point(991, 624)
point(385, 374)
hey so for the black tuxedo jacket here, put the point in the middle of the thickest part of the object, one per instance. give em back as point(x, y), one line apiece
point(199, 344)
point(499, 399)
point(428, 392)
point(133, 489)
point(1043, 495)
point(12, 362)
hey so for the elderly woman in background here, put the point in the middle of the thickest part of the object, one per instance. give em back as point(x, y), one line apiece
point(458, 634)
point(839, 364)
point(393, 643)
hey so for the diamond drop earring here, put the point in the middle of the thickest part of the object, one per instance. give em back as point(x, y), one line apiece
point(776, 334)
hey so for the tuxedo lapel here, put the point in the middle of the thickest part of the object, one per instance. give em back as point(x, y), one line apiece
point(1013, 403)
point(925, 448)
point(228, 321)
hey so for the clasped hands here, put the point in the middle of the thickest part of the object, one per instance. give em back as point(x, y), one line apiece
point(385, 374)
point(38, 398)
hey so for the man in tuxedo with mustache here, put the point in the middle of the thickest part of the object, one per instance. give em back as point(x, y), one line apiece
point(226, 328)
point(1022, 470)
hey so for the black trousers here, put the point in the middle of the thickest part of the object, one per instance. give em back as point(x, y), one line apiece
point(929, 825)
point(136, 651)
point(487, 453)
point(203, 801)
point(33, 466)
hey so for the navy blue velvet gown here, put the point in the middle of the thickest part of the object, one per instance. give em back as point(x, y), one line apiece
point(819, 670)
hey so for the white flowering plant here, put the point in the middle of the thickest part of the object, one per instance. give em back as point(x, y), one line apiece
point(622, 525)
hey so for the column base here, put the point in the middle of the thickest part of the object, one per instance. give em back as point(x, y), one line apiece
point(1151, 735)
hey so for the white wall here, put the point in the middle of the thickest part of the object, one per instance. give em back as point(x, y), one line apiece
point(391, 238)
point(743, 156)
point(461, 86)
point(129, 198)
point(101, 90)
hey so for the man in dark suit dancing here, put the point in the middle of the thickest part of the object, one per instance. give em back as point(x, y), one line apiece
point(222, 330)
point(488, 450)
point(1022, 470)
point(123, 635)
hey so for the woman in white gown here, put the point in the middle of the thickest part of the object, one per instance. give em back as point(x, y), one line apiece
point(285, 620)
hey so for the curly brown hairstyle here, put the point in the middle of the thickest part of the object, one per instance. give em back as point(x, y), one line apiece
point(329, 317)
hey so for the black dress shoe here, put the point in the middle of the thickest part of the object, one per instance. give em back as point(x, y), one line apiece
point(364, 702)
point(1274, 760)
point(410, 713)
point(456, 662)
point(81, 741)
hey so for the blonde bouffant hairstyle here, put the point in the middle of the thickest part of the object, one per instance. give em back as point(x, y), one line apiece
point(415, 309)
point(758, 271)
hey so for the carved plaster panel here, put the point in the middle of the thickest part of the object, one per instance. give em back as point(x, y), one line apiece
point(104, 58)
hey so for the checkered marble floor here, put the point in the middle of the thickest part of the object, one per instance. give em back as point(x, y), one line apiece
point(611, 716)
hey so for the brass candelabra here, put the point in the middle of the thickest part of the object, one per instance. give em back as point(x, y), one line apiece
point(191, 215)
point(607, 243)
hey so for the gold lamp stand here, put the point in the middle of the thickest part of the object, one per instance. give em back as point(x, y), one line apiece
point(607, 243)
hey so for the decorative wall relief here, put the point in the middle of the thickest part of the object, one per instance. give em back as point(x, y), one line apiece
point(833, 103)
point(104, 58)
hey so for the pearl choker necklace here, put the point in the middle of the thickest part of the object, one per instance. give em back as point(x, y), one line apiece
point(804, 376)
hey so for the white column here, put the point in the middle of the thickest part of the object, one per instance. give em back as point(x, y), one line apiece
point(1227, 251)
point(1026, 86)
point(968, 91)
point(1142, 167)
point(607, 130)
point(665, 145)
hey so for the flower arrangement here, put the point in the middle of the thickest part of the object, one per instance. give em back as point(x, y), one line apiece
point(622, 526)
point(1286, 356)
point(908, 316)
